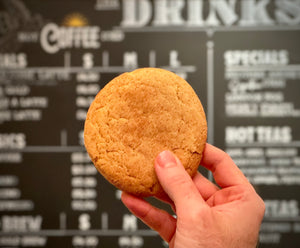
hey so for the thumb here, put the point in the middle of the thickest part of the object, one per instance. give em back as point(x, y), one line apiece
point(176, 182)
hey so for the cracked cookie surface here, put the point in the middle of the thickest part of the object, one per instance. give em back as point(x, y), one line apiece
point(135, 117)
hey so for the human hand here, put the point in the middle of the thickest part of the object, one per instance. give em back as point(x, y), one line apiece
point(224, 216)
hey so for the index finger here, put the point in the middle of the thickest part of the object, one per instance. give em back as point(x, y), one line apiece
point(224, 170)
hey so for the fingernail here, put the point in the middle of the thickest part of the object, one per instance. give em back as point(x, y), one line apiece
point(166, 159)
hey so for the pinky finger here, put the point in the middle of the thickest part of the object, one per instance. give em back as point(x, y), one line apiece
point(155, 218)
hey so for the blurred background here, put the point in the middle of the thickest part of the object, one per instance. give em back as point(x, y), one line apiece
point(241, 57)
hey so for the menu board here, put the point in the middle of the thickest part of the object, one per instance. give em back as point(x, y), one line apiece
point(241, 57)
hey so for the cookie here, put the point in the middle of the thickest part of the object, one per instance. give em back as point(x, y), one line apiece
point(136, 116)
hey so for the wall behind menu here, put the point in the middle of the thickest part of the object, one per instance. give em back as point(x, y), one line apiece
point(241, 57)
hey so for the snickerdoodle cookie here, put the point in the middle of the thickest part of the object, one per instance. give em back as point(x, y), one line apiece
point(135, 117)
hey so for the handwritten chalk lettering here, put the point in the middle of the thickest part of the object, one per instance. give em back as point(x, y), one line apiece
point(4, 103)
point(33, 102)
point(90, 89)
point(273, 134)
point(264, 180)
point(258, 171)
point(10, 193)
point(88, 77)
point(33, 241)
point(90, 241)
point(256, 57)
point(21, 223)
point(118, 194)
point(8, 180)
point(26, 37)
point(273, 96)
point(239, 92)
point(140, 13)
point(239, 134)
point(247, 74)
point(244, 86)
point(107, 4)
point(14, 102)
point(83, 193)
point(254, 152)
point(45, 75)
point(278, 109)
point(13, 60)
point(242, 109)
point(84, 182)
point(88, 60)
point(269, 238)
point(290, 180)
point(243, 97)
point(84, 222)
point(112, 36)
point(281, 152)
point(84, 101)
point(130, 59)
point(12, 140)
point(296, 161)
point(54, 38)
point(5, 115)
point(173, 59)
point(16, 205)
point(81, 114)
point(131, 8)
point(282, 227)
point(241, 162)
point(10, 241)
point(80, 157)
point(260, 134)
point(129, 222)
point(288, 12)
point(83, 205)
point(27, 115)
point(79, 169)
point(274, 83)
point(235, 152)
point(80, 138)
point(132, 242)
point(11, 157)
point(282, 208)
point(282, 162)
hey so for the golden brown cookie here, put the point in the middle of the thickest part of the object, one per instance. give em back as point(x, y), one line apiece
point(135, 117)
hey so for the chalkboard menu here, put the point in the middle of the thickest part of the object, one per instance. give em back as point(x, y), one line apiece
point(241, 57)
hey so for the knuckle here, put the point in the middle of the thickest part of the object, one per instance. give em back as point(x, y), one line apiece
point(179, 180)
point(197, 214)
point(225, 158)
